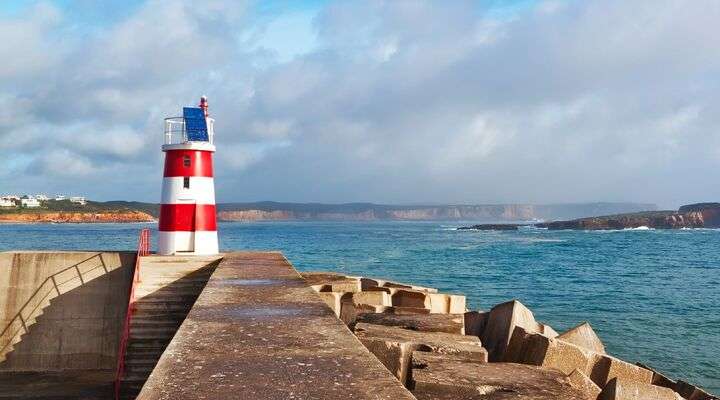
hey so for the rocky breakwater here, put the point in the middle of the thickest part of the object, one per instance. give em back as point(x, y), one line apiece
point(702, 215)
point(439, 350)
point(76, 217)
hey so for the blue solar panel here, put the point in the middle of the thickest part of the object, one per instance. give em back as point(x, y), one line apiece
point(195, 124)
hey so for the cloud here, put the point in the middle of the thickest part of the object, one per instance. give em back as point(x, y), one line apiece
point(382, 101)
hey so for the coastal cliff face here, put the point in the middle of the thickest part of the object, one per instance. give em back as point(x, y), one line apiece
point(254, 215)
point(372, 212)
point(76, 217)
point(705, 215)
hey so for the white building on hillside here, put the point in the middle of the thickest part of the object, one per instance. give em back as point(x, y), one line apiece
point(6, 202)
point(78, 200)
point(30, 202)
point(60, 197)
point(41, 197)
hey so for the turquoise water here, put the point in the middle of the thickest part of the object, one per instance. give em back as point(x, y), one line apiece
point(652, 296)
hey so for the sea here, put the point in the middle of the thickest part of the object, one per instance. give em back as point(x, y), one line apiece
point(651, 295)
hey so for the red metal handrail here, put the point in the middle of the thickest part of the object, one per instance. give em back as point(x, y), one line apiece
point(143, 250)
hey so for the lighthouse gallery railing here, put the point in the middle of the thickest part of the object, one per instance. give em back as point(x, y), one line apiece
point(176, 132)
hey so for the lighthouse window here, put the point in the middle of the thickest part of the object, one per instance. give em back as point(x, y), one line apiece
point(186, 182)
point(186, 161)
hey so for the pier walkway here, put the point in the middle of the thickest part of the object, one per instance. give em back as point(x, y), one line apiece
point(258, 331)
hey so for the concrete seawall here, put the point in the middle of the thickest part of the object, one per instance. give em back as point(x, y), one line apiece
point(62, 310)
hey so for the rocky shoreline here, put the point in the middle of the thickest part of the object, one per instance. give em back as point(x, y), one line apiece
point(701, 215)
point(76, 217)
point(440, 350)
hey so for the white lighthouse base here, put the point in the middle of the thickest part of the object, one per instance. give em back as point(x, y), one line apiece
point(192, 243)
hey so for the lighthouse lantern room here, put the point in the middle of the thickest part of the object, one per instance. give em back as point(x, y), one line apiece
point(187, 209)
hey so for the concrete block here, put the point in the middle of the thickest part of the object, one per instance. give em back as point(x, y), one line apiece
point(443, 377)
point(377, 298)
point(658, 378)
point(547, 330)
point(501, 323)
point(584, 336)
point(334, 300)
point(394, 346)
point(367, 283)
point(627, 390)
point(537, 349)
point(349, 311)
point(447, 303)
point(321, 278)
point(605, 368)
point(475, 323)
point(448, 323)
point(347, 286)
point(691, 392)
point(389, 284)
point(379, 289)
point(583, 383)
point(409, 310)
point(410, 298)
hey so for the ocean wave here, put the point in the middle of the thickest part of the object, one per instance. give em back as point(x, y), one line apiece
point(639, 228)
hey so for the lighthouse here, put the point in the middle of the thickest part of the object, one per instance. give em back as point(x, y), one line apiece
point(187, 209)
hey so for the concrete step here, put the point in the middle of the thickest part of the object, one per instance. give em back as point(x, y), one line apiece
point(152, 335)
point(139, 330)
point(134, 378)
point(159, 314)
point(169, 298)
point(158, 321)
point(130, 390)
point(143, 293)
point(146, 345)
point(162, 306)
point(170, 278)
point(139, 369)
point(141, 360)
point(163, 284)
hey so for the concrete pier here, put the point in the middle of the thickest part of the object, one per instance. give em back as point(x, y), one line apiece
point(259, 331)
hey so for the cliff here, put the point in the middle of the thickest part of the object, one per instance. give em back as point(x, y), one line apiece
point(702, 215)
point(378, 212)
point(76, 217)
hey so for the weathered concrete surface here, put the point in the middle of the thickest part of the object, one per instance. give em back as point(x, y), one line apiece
point(501, 322)
point(448, 323)
point(658, 378)
point(56, 385)
point(475, 322)
point(692, 392)
point(584, 336)
point(394, 346)
point(443, 377)
point(537, 349)
point(606, 367)
point(583, 383)
point(258, 331)
point(72, 306)
point(627, 390)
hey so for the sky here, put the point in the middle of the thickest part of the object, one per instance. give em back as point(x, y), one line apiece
point(395, 102)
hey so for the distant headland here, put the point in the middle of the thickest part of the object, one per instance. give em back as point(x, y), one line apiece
point(700, 215)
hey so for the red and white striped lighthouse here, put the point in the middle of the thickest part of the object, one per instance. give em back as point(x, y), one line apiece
point(187, 208)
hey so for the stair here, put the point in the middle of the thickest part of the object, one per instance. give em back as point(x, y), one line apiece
point(164, 296)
